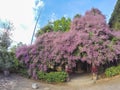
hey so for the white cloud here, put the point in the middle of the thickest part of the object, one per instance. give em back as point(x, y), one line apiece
point(20, 12)
point(53, 17)
point(66, 16)
point(39, 4)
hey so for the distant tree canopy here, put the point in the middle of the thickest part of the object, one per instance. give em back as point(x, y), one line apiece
point(13, 48)
point(5, 32)
point(115, 17)
point(46, 28)
point(6, 25)
point(77, 16)
point(62, 24)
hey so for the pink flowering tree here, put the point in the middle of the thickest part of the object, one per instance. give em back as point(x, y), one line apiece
point(99, 43)
point(89, 40)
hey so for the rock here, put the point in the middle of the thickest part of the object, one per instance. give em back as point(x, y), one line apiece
point(35, 86)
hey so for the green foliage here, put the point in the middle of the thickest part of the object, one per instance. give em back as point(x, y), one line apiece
point(56, 77)
point(5, 41)
point(113, 42)
point(112, 71)
point(41, 75)
point(22, 70)
point(7, 25)
point(16, 63)
point(77, 16)
point(9, 61)
point(5, 32)
point(53, 76)
point(47, 28)
point(17, 66)
point(6, 60)
point(91, 34)
point(117, 26)
point(13, 48)
point(114, 21)
point(62, 24)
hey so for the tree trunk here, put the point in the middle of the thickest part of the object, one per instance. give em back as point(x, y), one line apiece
point(6, 73)
point(94, 70)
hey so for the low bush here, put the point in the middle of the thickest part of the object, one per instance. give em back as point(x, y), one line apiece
point(6, 60)
point(52, 76)
point(41, 75)
point(23, 70)
point(112, 71)
point(15, 63)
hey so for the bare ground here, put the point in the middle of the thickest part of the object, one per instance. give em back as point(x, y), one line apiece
point(16, 82)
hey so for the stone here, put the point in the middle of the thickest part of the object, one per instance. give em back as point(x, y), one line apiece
point(35, 86)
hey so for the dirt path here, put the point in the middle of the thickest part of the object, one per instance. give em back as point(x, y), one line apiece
point(15, 82)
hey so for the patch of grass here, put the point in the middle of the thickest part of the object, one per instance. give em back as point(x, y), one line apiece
point(112, 71)
point(52, 76)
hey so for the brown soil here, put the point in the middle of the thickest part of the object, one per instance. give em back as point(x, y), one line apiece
point(83, 82)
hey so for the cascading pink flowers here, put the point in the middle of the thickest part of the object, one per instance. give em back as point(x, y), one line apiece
point(90, 39)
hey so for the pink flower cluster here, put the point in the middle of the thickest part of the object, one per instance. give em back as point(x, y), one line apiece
point(90, 39)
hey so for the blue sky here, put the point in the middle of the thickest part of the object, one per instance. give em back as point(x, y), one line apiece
point(22, 13)
point(54, 9)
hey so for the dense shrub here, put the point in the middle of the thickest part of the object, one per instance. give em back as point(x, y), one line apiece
point(23, 72)
point(53, 76)
point(15, 62)
point(112, 71)
point(6, 60)
point(41, 75)
point(90, 40)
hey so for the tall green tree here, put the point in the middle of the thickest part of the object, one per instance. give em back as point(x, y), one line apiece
point(5, 32)
point(46, 28)
point(114, 21)
point(62, 24)
point(6, 58)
